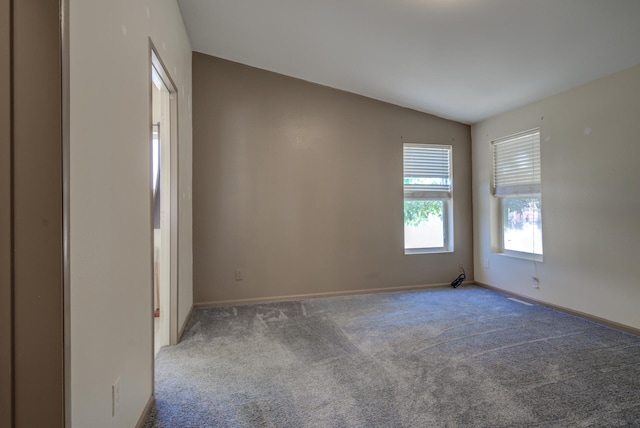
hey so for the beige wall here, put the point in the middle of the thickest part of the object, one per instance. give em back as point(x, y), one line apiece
point(590, 199)
point(37, 215)
point(300, 186)
point(5, 214)
point(31, 283)
point(110, 231)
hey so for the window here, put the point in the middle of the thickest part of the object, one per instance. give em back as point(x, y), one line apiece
point(516, 185)
point(427, 198)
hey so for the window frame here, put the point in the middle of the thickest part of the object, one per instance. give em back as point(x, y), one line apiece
point(530, 188)
point(447, 202)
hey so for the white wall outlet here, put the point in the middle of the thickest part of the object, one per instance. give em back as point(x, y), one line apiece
point(239, 274)
point(487, 263)
point(534, 281)
point(115, 397)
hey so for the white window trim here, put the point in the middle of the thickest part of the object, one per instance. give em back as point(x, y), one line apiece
point(440, 195)
point(531, 188)
point(521, 255)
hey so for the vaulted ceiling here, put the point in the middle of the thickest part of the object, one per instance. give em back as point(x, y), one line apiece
point(466, 60)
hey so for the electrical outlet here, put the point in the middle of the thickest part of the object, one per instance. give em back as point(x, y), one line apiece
point(487, 263)
point(460, 268)
point(534, 281)
point(115, 397)
point(239, 274)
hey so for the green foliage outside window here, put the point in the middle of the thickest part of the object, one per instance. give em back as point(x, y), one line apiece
point(520, 211)
point(417, 212)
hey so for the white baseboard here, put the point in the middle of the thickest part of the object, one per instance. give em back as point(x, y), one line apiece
point(579, 314)
point(318, 295)
point(145, 411)
point(185, 324)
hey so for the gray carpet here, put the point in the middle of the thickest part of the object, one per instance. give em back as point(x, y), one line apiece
point(435, 358)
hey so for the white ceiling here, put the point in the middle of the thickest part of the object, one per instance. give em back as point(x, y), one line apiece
point(465, 60)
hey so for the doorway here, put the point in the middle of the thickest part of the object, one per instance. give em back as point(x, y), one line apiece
point(164, 204)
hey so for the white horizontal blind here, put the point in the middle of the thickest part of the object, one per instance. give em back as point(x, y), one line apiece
point(427, 171)
point(516, 165)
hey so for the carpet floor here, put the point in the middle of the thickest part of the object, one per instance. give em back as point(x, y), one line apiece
point(434, 358)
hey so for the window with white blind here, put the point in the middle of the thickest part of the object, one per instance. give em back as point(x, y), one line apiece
point(516, 182)
point(427, 198)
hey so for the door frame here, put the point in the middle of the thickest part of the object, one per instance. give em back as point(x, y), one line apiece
point(155, 61)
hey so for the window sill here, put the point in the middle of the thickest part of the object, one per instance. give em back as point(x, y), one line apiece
point(522, 256)
point(408, 252)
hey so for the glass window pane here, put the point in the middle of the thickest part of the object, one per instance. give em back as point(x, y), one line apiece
point(522, 225)
point(423, 224)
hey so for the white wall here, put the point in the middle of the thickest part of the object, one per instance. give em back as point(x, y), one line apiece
point(111, 294)
point(590, 148)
